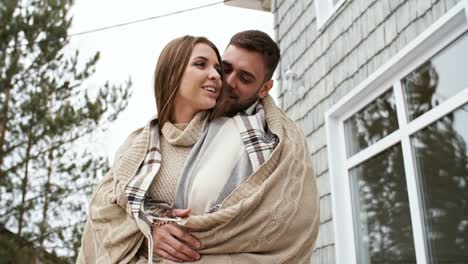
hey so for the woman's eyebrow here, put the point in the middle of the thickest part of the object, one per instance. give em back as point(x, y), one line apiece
point(201, 57)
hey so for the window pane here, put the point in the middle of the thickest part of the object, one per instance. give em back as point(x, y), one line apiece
point(441, 158)
point(381, 210)
point(437, 79)
point(335, 2)
point(375, 121)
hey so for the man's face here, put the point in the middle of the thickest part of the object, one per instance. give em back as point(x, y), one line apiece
point(244, 75)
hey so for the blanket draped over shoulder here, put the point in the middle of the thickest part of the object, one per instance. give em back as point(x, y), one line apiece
point(272, 217)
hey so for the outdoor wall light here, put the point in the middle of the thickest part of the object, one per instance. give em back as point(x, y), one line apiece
point(292, 83)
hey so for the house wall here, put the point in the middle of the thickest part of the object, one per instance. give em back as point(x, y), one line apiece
point(359, 38)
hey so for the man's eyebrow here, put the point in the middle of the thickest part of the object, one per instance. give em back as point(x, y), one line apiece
point(251, 75)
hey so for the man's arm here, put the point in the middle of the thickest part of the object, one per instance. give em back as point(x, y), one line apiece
point(172, 243)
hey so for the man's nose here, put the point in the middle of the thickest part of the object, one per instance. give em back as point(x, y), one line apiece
point(230, 80)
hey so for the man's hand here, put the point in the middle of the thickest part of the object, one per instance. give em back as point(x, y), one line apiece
point(171, 243)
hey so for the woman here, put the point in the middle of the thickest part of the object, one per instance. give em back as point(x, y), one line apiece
point(187, 84)
point(185, 159)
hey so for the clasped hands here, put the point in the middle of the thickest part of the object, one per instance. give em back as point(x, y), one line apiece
point(172, 243)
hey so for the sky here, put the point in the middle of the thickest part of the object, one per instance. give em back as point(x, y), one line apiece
point(132, 51)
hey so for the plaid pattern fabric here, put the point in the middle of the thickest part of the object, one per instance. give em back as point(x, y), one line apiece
point(258, 141)
point(230, 148)
point(140, 183)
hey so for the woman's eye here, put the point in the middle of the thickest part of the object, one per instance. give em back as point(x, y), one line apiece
point(218, 69)
point(200, 63)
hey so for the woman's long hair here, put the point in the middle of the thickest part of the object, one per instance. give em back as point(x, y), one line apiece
point(169, 72)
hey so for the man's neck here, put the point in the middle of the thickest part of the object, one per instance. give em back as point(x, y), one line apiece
point(250, 109)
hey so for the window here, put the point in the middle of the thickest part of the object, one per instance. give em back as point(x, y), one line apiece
point(324, 9)
point(398, 154)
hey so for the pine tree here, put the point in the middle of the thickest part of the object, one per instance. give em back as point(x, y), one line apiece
point(45, 114)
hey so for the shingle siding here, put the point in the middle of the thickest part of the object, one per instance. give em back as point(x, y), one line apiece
point(325, 238)
point(325, 254)
point(358, 39)
point(324, 182)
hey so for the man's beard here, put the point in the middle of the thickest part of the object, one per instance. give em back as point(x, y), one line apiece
point(233, 105)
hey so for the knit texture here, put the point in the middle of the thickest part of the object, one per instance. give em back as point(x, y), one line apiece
point(176, 142)
point(272, 218)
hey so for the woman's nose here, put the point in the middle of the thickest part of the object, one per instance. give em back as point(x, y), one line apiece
point(214, 74)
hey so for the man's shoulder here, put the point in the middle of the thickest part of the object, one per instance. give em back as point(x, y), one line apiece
point(275, 112)
point(276, 117)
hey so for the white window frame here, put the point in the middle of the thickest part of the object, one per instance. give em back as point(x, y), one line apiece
point(441, 33)
point(324, 9)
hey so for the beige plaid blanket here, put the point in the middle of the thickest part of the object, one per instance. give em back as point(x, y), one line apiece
point(272, 217)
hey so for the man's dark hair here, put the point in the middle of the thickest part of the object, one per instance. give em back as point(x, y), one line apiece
point(259, 41)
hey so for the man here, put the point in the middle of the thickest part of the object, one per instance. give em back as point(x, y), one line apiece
point(249, 62)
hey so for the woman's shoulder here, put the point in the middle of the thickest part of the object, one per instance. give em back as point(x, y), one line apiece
point(127, 143)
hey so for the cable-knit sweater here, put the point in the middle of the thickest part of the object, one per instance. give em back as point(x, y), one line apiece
point(176, 142)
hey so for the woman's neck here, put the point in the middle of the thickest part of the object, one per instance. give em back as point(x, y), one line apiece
point(182, 114)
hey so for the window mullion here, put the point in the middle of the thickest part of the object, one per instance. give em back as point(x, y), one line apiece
point(411, 179)
point(441, 110)
point(348, 207)
point(373, 150)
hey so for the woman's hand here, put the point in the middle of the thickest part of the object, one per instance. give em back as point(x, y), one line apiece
point(172, 243)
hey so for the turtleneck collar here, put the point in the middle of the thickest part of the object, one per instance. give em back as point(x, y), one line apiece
point(187, 136)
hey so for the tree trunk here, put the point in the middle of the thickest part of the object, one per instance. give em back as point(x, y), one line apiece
point(4, 122)
point(6, 105)
point(24, 185)
point(43, 226)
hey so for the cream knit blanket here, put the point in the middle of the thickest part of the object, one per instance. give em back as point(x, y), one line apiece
point(226, 154)
point(256, 143)
point(272, 217)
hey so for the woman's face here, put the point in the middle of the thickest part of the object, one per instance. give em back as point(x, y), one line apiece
point(201, 82)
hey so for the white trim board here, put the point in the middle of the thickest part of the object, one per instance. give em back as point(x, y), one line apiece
point(324, 10)
point(452, 24)
point(442, 32)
